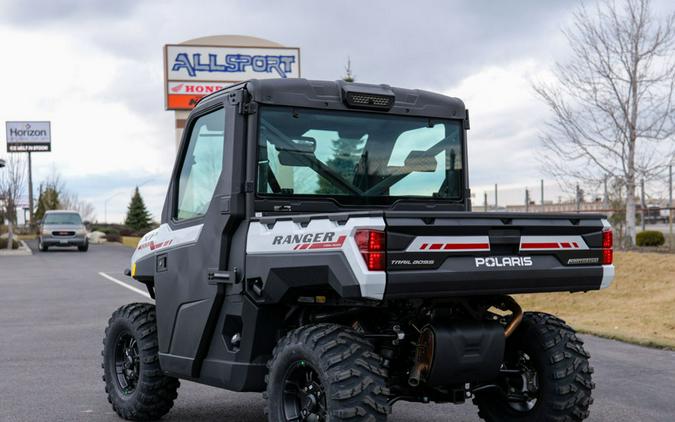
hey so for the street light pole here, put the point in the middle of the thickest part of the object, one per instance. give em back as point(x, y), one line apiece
point(105, 202)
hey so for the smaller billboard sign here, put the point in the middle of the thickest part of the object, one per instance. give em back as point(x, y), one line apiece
point(194, 71)
point(29, 136)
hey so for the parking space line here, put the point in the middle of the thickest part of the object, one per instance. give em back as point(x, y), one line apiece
point(123, 284)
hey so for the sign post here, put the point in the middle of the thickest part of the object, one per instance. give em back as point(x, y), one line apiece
point(29, 137)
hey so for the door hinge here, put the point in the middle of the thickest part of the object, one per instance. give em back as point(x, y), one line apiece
point(250, 107)
point(242, 99)
point(234, 98)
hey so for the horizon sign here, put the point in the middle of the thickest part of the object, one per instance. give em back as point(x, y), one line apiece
point(194, 71)
point(28, 136)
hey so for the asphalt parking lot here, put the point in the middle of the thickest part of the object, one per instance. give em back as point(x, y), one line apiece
point(54, 307)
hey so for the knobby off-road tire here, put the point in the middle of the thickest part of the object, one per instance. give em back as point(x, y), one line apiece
point(563, 374)
point(149, 394)
point(350, 376)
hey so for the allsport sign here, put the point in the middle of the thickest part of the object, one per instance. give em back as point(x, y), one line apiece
point(193, 71)
point(28, 136)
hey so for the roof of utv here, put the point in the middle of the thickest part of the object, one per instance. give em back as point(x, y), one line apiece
point(330, 95)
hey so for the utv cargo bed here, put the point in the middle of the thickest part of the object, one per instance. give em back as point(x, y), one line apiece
point(437, 254)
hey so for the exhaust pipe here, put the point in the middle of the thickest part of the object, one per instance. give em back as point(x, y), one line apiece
point(424, 356)
point(510, 304)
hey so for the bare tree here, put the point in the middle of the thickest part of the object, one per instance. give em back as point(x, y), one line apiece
point(612, 102)
point(12, 181)
point(66, 199)
point(70, 201)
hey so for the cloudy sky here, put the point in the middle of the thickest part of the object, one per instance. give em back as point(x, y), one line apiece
point(94, 69)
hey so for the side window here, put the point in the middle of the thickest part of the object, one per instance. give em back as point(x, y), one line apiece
point(202, 165)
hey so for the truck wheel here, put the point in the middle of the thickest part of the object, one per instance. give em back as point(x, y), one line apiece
point(84, 247)
point(326, 372)
point(41, 246)
point(136, 387)
point(550, 377)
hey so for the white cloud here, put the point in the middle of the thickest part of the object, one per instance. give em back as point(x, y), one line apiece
point(95, 70)
point(505, 120)
point(54, 76)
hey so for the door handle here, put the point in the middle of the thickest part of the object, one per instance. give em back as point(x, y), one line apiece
point(222, 277)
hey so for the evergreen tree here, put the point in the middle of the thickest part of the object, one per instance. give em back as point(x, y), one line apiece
point(346, 154)
point(48, 199)
point(138, 217)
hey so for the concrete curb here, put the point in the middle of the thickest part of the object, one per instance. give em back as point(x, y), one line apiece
point(23, 250)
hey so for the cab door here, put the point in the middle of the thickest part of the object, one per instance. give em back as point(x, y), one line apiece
point(198, 214)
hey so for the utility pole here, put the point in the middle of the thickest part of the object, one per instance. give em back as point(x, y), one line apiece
point(485, 204)
point(496, 202)
point(670, 204)
point(643, 204)
point(605, 197)
point(578, 199)
point(542, 194)
point(527, 200)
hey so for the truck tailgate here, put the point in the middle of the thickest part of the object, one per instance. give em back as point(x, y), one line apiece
point(447, 253)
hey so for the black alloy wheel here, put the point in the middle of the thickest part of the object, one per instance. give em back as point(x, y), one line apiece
point(127, 363)
point(546, 375)
point(326, 372)
point(135, 384)
point(304, 397)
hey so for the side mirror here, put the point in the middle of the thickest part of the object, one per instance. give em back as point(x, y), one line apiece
point(420, 161)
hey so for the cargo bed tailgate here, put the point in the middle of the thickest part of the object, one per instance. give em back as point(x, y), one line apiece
point(437, 254)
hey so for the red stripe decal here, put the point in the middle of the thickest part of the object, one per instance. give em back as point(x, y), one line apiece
point(545, 245)
point(328, 245)
point(565, 245)
point(424, 246)
point(435, 246)
point(575, 244)
point(466, 246)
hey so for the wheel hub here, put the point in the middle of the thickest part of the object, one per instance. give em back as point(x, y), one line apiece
point(304, 397)
point(523, 391)
point(127, 363)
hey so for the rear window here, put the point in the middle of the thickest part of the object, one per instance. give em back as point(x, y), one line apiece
point(358, 158)
point(62, 218)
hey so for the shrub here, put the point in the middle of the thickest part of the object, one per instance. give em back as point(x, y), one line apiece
point(3, 243)
point(112, 234)
point(650, 238)
point(120, 229)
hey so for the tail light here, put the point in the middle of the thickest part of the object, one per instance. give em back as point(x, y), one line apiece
point(372, 247)
point(607, 245)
